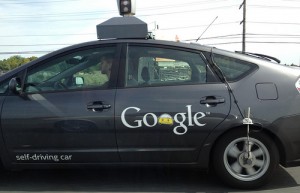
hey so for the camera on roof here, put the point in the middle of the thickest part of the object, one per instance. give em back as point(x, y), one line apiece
point(126, 7)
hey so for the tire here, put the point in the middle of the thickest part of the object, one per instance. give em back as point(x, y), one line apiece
point(232, 166)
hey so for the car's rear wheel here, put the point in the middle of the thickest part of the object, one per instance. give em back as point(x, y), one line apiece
point(244, 163)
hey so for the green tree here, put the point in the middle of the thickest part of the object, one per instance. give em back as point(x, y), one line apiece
point(14, 62)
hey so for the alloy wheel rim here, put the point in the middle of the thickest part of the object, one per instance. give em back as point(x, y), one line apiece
point(242, 165)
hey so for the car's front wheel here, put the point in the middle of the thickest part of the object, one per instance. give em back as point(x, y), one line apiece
point(245, 163)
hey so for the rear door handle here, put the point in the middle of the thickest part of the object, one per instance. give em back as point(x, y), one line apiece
point(212, 100)
point(97, 106)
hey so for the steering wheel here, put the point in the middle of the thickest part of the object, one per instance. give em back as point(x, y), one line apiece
point(33, 85)
point(59, 86)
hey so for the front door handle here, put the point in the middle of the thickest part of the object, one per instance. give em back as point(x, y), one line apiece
point(97, 106)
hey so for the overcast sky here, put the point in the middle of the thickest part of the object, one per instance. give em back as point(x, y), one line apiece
point(41, 26)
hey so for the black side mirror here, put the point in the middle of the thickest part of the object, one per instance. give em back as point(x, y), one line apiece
point(14, 85)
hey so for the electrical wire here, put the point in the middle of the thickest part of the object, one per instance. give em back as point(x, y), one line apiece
point(274, 23)
point(44, 35)
point(273, 7)
point(248, 35)
point(108, 11)
point(252, 42)
point(233, 36)
point(37, 2)
point(97, 18)
point(195, 26)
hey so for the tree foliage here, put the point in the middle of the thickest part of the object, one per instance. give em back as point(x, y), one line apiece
point(14, 62)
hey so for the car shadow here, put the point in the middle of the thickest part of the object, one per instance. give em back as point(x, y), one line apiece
point(132, 179)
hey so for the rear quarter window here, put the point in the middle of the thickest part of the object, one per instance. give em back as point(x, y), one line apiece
point(232, 68)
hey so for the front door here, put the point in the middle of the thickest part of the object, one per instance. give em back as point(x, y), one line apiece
point(64, 111)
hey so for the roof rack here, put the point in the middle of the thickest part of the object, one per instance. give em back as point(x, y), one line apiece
point(261, 56)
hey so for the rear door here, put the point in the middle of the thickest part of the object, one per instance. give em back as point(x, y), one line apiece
point(168, 105)
point(65, 112)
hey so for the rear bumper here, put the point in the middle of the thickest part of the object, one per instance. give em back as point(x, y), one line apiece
point(287, 129)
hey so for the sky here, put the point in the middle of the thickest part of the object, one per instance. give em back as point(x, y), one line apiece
point(37, 27)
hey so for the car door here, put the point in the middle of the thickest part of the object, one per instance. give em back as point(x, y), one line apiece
point(63, 110)
point(169, 104)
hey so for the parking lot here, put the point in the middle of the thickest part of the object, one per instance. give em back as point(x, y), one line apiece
point(134, 179)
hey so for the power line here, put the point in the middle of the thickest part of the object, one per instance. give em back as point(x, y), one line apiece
point(27, 45)
point(148, 8)
point(142, 15)
point(44, 35)
point(65, 1)
point(37, 2)
point(229, 36)
point(274, 7)
point(77, 14)
point(195, 26)
point(249, 36)
point(16, 18)
point(267, 34)
point(180, 5)
point(109, 11)
point(254, 42)
point(59, 14)
point(37, 35)
point(274, 23)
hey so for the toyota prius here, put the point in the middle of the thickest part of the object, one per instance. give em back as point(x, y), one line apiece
point(148, 102)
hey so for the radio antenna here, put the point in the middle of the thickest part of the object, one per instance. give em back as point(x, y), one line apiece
point(207, 28)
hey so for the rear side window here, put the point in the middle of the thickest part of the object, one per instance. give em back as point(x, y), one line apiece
point(233, 69)
point(153, 66)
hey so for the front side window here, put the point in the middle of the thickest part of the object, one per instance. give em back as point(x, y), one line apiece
point(81, 69)
point(232, 68)
point(152, 66)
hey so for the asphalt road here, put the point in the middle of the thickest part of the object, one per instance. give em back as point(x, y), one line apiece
point(134, 179)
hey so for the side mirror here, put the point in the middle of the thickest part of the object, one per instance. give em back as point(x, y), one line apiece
point(13, 85)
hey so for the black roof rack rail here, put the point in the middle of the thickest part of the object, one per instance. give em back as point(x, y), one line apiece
point(261, 56)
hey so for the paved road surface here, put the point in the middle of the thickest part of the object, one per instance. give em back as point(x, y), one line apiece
point(134, 180)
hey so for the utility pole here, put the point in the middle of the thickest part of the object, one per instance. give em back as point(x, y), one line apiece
point(244, 25)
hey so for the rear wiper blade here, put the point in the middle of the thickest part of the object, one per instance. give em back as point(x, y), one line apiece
point(262, 56)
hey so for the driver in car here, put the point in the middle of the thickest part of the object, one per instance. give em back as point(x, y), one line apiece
point(105, 64)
